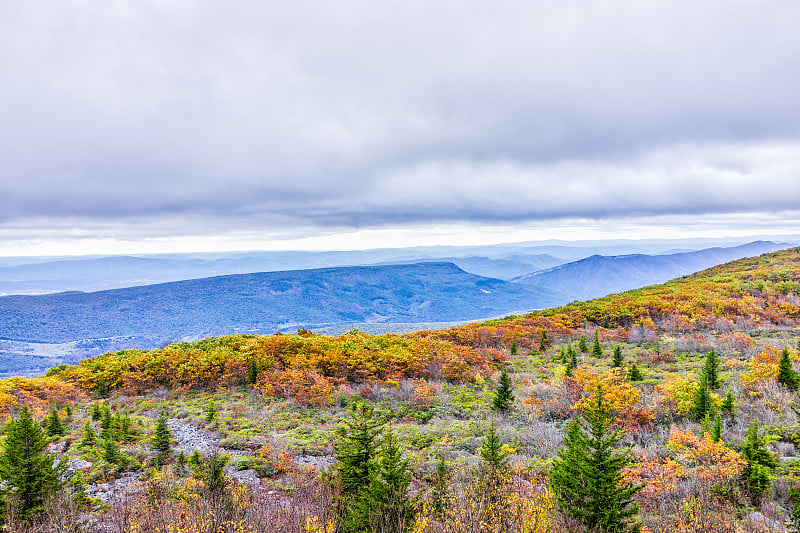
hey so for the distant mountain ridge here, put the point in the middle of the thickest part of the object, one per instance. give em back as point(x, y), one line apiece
point(151, 315)
point(597, 276)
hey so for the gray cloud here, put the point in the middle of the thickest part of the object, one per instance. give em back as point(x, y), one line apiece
point(251, 115)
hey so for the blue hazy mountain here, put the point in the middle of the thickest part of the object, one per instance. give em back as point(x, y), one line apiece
point(598, 275)
point(152, 315)
point(39, 275)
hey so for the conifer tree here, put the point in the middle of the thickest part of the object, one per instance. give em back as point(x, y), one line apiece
point(543, 341)
point(716, 429)
point(181, 461)
point(564, 356)
point(211, 410)
point(54, 425)
point(597, 350)
point(356, 452)
point(162, 435)
point(252, 373)
point(89, 436)
point(392, 507)
point(110, 451)
point(786, 374)
point(106, 423)
point(214, 475)
point(124, 424)
point(582, 344)
point(26, 468)
point(760, 462)
point(491, 451)
point(711, 370)
point(504, 396)
point(728, 405)
point(617, 361)
point(97, 413)
point(194, 459)
point(587, 476)
point(514, 349)
point(702, 399)
point(634, 374)
point(439, 492)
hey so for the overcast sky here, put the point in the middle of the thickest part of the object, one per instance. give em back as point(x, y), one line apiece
point(169, 125)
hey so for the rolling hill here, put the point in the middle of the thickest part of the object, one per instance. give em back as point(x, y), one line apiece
point(598, 275)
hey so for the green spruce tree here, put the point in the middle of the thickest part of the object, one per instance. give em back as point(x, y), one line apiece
point(617, 360)
point(702, 406)
point(97, 413)
point(587, 477)
point(711, 370)
point(543, 341)
point(162, 435)
point(252, 372)
point(110, 451)
point(211, 410)
point(760, 463)
point(89, 436)
point(26, 469)
point(597, 350)
point(634, 374)
point(582, 344)
point(392, 507)
point(356, 451)
point(728, 405)
point(514, 350)
point(439, 489)
point(504, 396)
point(786, 374)
point(54, 425)
point(716, 429)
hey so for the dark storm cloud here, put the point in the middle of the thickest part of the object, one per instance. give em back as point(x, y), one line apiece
point(361, 113)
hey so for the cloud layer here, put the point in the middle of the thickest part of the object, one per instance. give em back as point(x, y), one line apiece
point(358, 114)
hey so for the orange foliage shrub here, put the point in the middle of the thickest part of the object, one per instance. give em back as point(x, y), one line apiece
point(37, 393)
point(710, 462)
point(763, 367)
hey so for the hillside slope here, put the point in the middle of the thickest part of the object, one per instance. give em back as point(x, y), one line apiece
point(598, 275)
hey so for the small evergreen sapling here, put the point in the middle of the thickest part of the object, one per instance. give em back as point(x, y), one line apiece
point(252, 373)
point(617, 360)
point(587, 477)
point(494, 465)
point(504, 396)
point(786, 374)
point(439, 492)
point(26, 468)
point(702, 399)
point(162, 435)
point(760, 462)
point(211, 410)
point(392, 507)
point(634, 374)
point(543, 341)
point(597, 350)
point(711, 370)
point(89, 436)
point(54, 425)
point(716, 429)
point(110, 451)
point(728, 405)
point(582, 344)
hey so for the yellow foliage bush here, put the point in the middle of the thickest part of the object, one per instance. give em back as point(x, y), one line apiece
point(618, 393)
